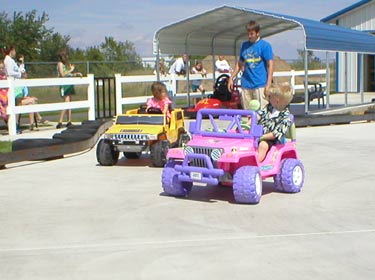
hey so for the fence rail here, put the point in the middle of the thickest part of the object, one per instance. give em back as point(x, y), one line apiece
point(120, 97)
point(171, 81)
point(13, 110)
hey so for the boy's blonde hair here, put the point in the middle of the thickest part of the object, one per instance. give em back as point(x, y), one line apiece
point(284, 91)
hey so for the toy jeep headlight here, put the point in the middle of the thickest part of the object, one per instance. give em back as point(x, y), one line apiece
point(188, 150)
point(216, 154)
point(152, 137)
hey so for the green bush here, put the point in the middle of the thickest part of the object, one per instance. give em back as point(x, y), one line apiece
point(5, 146)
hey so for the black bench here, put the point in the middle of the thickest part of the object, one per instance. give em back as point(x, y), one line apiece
point(316, 91)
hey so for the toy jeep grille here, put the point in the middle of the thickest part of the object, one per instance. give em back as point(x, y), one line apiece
point(213, 153)
point(130, 137)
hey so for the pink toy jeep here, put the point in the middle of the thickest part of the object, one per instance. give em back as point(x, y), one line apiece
point(222, 151)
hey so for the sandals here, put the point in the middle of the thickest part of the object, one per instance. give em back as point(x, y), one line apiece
point(60, 125)
point(42, 121)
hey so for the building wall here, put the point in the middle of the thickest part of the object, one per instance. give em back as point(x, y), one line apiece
point(363, 19)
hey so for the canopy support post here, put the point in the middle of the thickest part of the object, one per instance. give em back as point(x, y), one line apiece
point(306, 82)
point(328, 81)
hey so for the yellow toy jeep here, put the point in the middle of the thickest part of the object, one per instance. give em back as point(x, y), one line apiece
point(137, 131)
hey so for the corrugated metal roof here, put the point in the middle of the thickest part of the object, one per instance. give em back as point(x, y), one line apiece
point(221, 31)
point(345, 10)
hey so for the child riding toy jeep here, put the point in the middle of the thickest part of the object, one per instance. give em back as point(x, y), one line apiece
point(222, 151)
point(138, 131)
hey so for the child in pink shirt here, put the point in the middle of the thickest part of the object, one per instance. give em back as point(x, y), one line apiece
point(3, 94)
point(160, 100)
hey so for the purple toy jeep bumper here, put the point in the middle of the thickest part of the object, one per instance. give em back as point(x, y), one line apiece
point(208, 174)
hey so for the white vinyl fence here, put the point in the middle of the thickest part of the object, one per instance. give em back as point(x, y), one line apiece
point(13, 110)
point(121, 99)
point(171, 82)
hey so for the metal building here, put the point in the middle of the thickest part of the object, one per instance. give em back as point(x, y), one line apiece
point(359, 16)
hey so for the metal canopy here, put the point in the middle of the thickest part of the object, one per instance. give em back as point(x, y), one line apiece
point(221, 31)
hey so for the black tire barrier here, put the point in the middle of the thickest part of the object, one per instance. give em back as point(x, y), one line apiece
point(82, 129)
point(71, 137)
point(96, 123)
point(68, 142)
point(22, 144)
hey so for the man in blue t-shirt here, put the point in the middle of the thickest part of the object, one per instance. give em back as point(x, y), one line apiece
point(256, 62)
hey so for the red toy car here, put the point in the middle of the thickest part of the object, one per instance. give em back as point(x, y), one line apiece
point(221, 98)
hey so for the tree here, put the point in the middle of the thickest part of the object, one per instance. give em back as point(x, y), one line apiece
point(120, 52)
point(41, 44)
point(4, 29)
point(313, 61)
point(27, 32)
point(51, 46)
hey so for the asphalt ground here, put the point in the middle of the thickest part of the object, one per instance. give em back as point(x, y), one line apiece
point(73, 219)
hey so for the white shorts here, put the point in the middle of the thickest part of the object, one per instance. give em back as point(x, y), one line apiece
point(250, 94)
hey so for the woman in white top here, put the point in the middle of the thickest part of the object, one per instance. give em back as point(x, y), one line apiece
point(11, 66)
point(14, 71)
point(222, 65)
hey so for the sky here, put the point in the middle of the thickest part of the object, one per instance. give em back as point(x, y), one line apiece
point(88, 22)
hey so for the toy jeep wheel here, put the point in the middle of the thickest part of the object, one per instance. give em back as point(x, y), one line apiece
point(159, 153)
point(291, 176)
point(132, 155)
point(170, 183)
point(247, 185)
point(105, 153)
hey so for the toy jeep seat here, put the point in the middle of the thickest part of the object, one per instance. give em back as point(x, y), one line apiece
point(221, 91)
point(291, 132)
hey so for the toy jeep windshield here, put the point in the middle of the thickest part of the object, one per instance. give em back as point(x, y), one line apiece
point(224, 151)
point(137, 131)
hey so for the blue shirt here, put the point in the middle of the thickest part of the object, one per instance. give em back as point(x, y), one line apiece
point(254, 57)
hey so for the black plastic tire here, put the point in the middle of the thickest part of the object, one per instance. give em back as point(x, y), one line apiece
point(159, 153)
point(93, 124)
point(84, 130)
point(72, 137)
point(105, 154)
point(22, 144)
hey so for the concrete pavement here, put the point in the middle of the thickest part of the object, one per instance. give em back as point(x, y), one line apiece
point(72, 219)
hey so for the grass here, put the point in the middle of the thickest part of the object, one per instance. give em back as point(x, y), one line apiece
point(5, 146)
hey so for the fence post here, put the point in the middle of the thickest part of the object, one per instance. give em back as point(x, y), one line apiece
point(12, 121)
point(91, 97)
point(293, 80)
point(174, 89)
point(118, 94)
